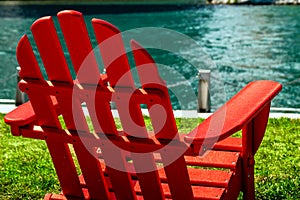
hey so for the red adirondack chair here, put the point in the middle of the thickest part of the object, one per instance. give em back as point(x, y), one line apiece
point(131, 163)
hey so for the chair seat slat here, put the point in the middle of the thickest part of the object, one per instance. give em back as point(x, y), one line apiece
point(229, 144)
point(219, 159)
point(198, 175)
point(200, 192)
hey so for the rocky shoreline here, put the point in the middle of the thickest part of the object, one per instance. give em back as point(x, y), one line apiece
point(154, 2)
point(255, 2)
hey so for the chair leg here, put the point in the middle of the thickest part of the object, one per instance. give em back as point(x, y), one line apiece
point(248, 179)
point(248, 161)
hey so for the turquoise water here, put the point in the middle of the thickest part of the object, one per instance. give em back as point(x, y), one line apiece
point(242, 43)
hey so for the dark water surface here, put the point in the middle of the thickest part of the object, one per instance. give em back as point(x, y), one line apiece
point(240, 43)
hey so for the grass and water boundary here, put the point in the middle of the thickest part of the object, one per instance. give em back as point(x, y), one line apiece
point(26, 170)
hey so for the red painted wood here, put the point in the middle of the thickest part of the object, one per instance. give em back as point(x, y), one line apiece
point(92, 172)
point(22, 116)
point(198, 176)
point(235, 183)
point(103, 123)
point(248, 102)
point(30, 70)
point(145, 163)
point(27, 60)
point(55, 197)
point(205, 177)
point(113, 156)
point(65, 168)
point(117, 70)
point(48, 118)
point(203, 193)
point(54, 62)
point(145, 66)
point(120, 179)
point(78, 42)
point(200, 192)
point(180, 186)
point(248, 156)
point(130, 113)
point(162, 118)
point(50, 50)
point(74, 31)
point(113, 53)
point(229, 144)
point(57, 70)
point(260, 125)
point(219, 159)
point(62, 197)
point(133, 124)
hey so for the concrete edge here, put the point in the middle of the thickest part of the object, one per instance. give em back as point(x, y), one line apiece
point(6, 108)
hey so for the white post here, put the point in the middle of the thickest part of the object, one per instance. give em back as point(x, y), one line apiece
point(203, 91)
point(20, 97)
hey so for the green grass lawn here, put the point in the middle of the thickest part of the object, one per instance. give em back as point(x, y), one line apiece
point(26, 170)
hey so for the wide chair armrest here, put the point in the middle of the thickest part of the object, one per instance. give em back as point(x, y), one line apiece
point(20, 116)
point(24, 115)
point(233, 115)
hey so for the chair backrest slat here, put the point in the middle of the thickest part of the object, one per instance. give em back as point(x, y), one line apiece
point(50, 50)
point(149, 181)
point(133, 124)
point(54, 61)
point(175, 182)
point(168, 130)
point(79, 45)
point(119, 177)
point(65, 168)
point(52, 55)
point(59, 151)
point(119, 75)
point(27, 60)
point(113, 54)
point(162, 118)
point(92, 171)
point(31, 70)
point(101, 116)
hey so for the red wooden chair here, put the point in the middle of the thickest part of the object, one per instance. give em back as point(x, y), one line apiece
point(131, 163)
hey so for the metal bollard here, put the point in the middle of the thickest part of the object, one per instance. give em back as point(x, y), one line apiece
point(20, 96)
point(203, 91)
